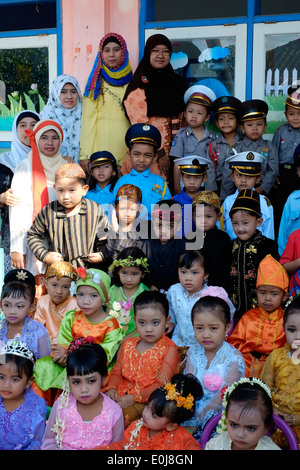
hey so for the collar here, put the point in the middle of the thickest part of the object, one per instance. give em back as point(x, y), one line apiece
point(145, 173)
point(60, 210)
point(273, 315)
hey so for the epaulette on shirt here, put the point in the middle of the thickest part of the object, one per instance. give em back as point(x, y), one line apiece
point(268, 201)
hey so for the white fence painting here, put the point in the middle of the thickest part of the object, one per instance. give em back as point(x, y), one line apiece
point(277, 88)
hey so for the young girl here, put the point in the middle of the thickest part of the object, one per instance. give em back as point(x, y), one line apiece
point(144, 362)
point(91, 289)
point(82, 417)
point(22, 412)
point(104, 172)
point(128, 271)
point(246, 419)
point(211, 359)
point(281, 373)
point(16, 302)
point(159, 428)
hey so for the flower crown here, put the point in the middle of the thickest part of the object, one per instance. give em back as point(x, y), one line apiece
point(226, 392)
point(16, 347)
point(181, 402)
point(130, 261)
point(77, 343)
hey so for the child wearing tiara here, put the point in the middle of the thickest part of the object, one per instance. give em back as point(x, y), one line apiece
point(211, 359)
point(17, 299)
point(82, 417)
point(22, 412)
point(246, 419)
point(144, 362)
point(129, 269)
point(160, 426)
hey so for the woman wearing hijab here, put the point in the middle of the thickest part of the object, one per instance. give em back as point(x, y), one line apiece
point(8, 161)
point(104, 122)
point(155, 96)
point(65, 107)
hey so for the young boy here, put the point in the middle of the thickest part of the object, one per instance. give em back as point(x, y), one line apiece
point(143, 141)
point(245, 170)
point(193, 172)
point(253, 118)
point(225, 110)
point(194, 139)
point(217, 244)
point(286, 138)
point(163, 247)
point(248, 249)
point(260, 330)
point(72, 228)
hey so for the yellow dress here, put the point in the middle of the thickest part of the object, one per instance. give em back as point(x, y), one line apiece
point(104, 123)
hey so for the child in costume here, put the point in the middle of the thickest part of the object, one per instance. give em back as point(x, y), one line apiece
point(17, 299)
point(91, 289)
point(248, 249)
point(260, 330)
point(146, 361)
point(160, 426)
point(22, 412)
point(211, 359)
point(281, 373)
point(246, 419)
point(129, 270)
point(82, 417)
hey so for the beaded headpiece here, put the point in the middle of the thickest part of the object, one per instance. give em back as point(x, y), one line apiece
point(128, 262)
point(77, 343)
point(17, 348)
point(61, 269)
point(173, 395)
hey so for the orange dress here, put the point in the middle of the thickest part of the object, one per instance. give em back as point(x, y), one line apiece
point(256, 335)
point(136, 437)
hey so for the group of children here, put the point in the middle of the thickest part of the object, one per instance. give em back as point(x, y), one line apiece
point(153, 303)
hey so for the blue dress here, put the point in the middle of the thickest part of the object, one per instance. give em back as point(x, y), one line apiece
point(104, 197)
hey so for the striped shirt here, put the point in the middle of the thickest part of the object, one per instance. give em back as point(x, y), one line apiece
point(73, 237)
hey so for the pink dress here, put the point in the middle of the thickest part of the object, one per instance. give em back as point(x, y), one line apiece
point(66, 430)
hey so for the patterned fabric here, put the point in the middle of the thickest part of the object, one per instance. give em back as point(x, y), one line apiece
point(223, 442)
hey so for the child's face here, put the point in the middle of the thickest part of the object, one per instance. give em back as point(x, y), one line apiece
point(69, 96)
point(86, 388)
point(89, 301)
point(242, 181)
point(103, 174)
point(127, 211)
point(205, 217)
point(164, 229)
point(244, 224)
point(196, 115)
point(270, 298)
point(153, 422)
point(142, 156)
point(15, 309)
point(292, 331)
point(254, 129)
point(210, 330)
point(245, 429)
point(151, 324)
point(227, 123)
point(192, 183)
point(293, 117)
point(12, 384)
point(130, 277)
point(25, 123)
point(192, 279)
point(69, 192)
point(58, 289)
point(49, 143)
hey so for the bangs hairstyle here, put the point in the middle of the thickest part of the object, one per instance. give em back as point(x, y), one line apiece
point(86, 359)
point(214, 304)
point(252, 395)
point(185, 385)
point(17, 290)
point(22, 364)
point(135, 253)
point(293, 307)
point(189, 257)
point(155, 299)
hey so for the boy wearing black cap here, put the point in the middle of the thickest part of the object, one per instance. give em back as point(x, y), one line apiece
point(248, 249)
point(143, 141)
point(253, 118)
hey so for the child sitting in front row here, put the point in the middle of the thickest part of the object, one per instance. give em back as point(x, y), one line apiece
point(260, 330)
point(160, 426)
point(144, 362)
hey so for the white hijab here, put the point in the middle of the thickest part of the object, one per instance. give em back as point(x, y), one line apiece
point(69, 119)
point(18, 151)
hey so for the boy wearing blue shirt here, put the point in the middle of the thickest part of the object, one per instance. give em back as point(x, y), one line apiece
point(143, 141)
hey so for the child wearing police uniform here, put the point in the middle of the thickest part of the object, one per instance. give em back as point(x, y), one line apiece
point(245, 170)
point(195, 137)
